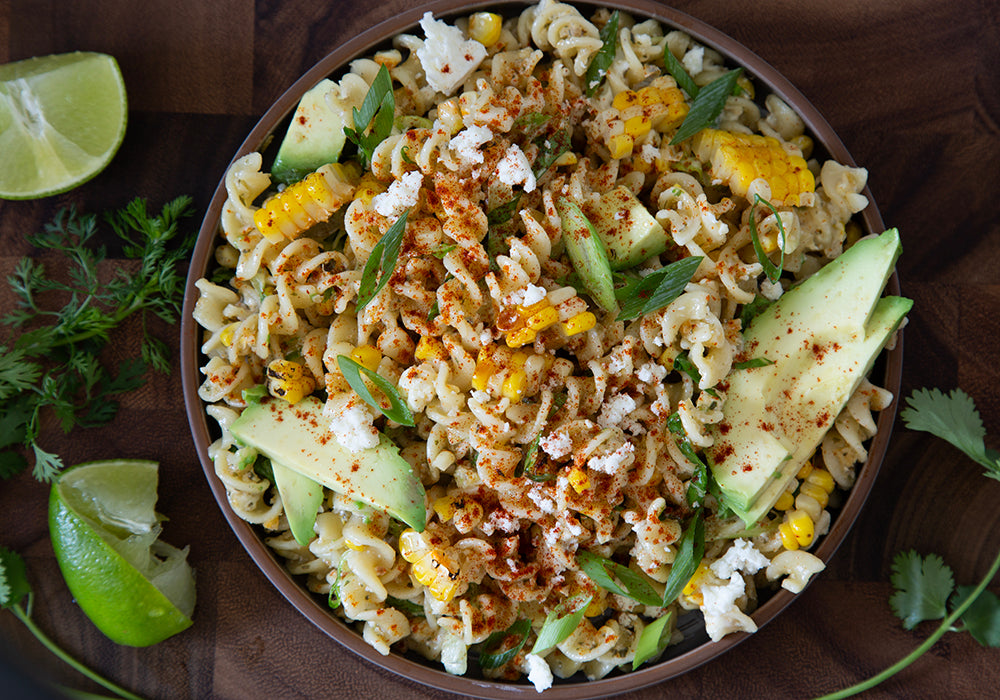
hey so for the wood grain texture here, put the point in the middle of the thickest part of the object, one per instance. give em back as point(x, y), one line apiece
point(912, 89)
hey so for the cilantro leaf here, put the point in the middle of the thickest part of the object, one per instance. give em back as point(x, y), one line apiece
point(923, 586)
point(982, 618)
point(952, 417)
point(707, 106)
point(373, 122)
point(13, 578)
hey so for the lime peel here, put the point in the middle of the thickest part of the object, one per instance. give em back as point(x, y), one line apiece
point(136, 589)
point(62, 119)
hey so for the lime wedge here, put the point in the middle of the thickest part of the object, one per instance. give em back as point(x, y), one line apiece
point(105, 534)
point(62, 119)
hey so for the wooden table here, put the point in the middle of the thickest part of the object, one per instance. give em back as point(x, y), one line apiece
point(912, 88)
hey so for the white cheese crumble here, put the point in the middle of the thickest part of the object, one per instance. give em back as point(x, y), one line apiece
point(539, 672)
point(649, 153)
point(401, 195)
point(354, 429)
point(533, 295)
point(742, 556)
point(514, 169)
point(722, 615)
point(556, 445)
point(617, 364)
point(651, 372)
point(616, 410)
point(771, 291)
point(447, 57)
point(612, 463)
point(694, 60)
point(542, 500)
point(466, 144)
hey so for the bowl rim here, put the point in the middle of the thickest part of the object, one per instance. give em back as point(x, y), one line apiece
point(307, 603)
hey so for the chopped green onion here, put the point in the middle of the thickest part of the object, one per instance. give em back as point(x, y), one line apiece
point(700, 479)
point(753, 309)
point(755, 362)
point(443, 250)
point(689, 555)
point(550, 148)
point(616, 578)
point(377, 112)
point(502, 214)
point(398, 411)
point(707, 106)
point(602, 60)
point(495, 659)
point(653, 640)
point(676, 69)
point(530, 123)
point(658, 289)
point(383, 256)
point(407, 607)
point(556, 629)
point(772, 271)
point(254, 394)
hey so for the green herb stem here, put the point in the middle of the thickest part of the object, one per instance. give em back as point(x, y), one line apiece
point(946, 626)
point(58, 651)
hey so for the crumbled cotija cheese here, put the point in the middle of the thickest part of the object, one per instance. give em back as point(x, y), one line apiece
point(614, 462)
point(401, 195)
point(466, 144)
point(651, 372)
point(616, 410)
point(556, 444)
point(354, 429)
point(514, 169)
point(771, 291)
point(742, 556)
point(533, 295)
point(694, 60)
point(539, 672)
point(447, 57)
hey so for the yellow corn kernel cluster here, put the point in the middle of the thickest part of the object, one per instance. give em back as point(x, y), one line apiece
point(797, 529)
point(578, 479)
point(739, 159)
point(485, 27)
point(228, 334)
point(367, 356)
point(368, 188)
point(464, 510)
point(305, 203)
point(818, 485)
point(430, 348)
point(287, 380)
point(496, 360)
point(429, 565)
point(692, 589)
point(656, 106)
point(539, 316)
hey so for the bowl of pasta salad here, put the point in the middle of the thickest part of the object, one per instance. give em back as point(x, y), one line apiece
point(542, 347)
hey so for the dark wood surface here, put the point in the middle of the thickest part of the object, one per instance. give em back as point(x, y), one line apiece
point(912, 88)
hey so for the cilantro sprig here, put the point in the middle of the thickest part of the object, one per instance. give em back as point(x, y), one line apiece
point(925, 586)
point(15, 589)
point(64, 323)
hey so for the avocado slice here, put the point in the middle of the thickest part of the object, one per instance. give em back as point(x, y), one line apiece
point(630, 233)
point(822, 337)
point(301, 498)
point(296, 436)
point(586, 251)
point(314, 138)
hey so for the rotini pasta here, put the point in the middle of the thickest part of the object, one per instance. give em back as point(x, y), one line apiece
point(544, 424)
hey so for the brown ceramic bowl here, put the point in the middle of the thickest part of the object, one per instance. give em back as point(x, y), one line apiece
point(696, 649)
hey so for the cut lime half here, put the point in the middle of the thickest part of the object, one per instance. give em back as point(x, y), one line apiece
point(105, 534)
point(62, 118)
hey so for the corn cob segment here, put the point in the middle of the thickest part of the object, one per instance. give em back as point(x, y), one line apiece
point(429, 565)
point(739, 159)
point(305, 203)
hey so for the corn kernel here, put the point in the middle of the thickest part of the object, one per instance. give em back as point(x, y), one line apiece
point(368, 188)
point(526, 311)
point(785, 501)
point(445, 508)
point(805, 470)
point(354, 545)
point(543, 319)
point(692, 587)
point(580, 323)
point(804, 143)
point(649, 96)
point(521, 337)
point(284, 369)
point(292, 390)
point(228, 334)
point(822, 478)
point(638, 126)
point(367, 356)
point(801, 526)
point(450, 114)
point(514, 385)
point(567, 158)
point(816, 492)
point(411, 544)
point(430, 348)
point(598, 604)
point(579, 480)
point(788, 537)
point(621, 145)
point(625, 99)
point(485, 27)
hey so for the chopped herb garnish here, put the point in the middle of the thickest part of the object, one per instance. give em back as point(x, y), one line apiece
point(653, 640)
point(397, 410)
point(405, 153)
point(530, 124)
point(434, 312)
point(503, 213)
point(707, 106)
point(755, 362)
point(658, 289)
point(556, 629)
point(550, 149)
point(676, 427)
point(772, 271)
point(383, 257)
point(753, 309)
point(373, 122)
point(443, 250)
point(501, 647)
point(676, 69)
point(407, 607)
point(616, 578)
point(690, 552)
point(602, 60)
point(262, 468)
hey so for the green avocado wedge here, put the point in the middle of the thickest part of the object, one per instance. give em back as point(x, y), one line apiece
point(300, 497)
point(822, 338)
point(587, 253)
point(296, 436)
point(314, 138)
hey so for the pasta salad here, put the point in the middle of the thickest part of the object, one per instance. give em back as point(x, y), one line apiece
point(523, 273)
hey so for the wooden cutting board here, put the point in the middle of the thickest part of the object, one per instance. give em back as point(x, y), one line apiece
point(912, 88)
